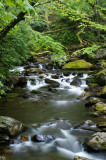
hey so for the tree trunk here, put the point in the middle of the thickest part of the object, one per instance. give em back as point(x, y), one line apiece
point(19, 17)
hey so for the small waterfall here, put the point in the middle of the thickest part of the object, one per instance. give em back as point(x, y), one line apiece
point(41, 66)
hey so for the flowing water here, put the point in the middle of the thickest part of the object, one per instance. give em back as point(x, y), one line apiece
point(51, 114)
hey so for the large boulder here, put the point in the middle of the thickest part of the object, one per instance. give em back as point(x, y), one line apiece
point(81, 158)
point(10, 126)
point(100, 77)
point(76, 82)
point(97, 142)
point(78, 64)
point(52, 82)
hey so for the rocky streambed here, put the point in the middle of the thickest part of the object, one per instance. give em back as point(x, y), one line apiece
point(63, 112)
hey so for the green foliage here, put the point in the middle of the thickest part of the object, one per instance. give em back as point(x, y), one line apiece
point(90, 51)
point(1, 89)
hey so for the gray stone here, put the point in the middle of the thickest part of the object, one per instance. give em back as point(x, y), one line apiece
point(10, 126)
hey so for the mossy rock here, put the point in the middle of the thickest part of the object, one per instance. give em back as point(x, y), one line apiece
point(103, 93)
point(97, 142)
point(100, 77)
point(92, 101)
point(35, 91)
point(12, 95)
point(78, 65)
point(81, 158)
point(100, 107)
point(84, 96)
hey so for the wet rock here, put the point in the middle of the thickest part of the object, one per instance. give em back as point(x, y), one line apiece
point(84, 96)
point(36, 70)
point(81, 158)
point(76, 82)
point(78, 64)
point(66, 74)
point(35, 91)
point(97, 142)
point(22, 81)
point(41, 77)
point(102, 94)
point(10, 126)
point(24, 138)
point(92, 101)
point(88, 125)
point(80, 74)
point(52, 89)
point(100, 77)
point(52, 83)
point(68, 80)
point(55, 76)
point(42, 138)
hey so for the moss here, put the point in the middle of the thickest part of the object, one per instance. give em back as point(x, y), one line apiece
point(103, 93)
point(12, 95)
point(102, 63)
point(78, 64)
point(93, 84)
point(35, 91)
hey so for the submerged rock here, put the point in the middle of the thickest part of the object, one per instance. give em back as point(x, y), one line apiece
point(35, 91)
point(42, 138)
point(97, 142)
point(78, 64)
point(81, 158)
point(24, 138)
point(52, 83)
point(52, 89)
point(10, 126)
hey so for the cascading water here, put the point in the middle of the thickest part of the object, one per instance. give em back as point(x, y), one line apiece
point(64, 103)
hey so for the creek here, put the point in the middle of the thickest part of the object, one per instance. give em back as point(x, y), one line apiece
point(51, 113)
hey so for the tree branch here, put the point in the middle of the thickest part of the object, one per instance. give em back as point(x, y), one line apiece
point(20, 17)
point(59, 30)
